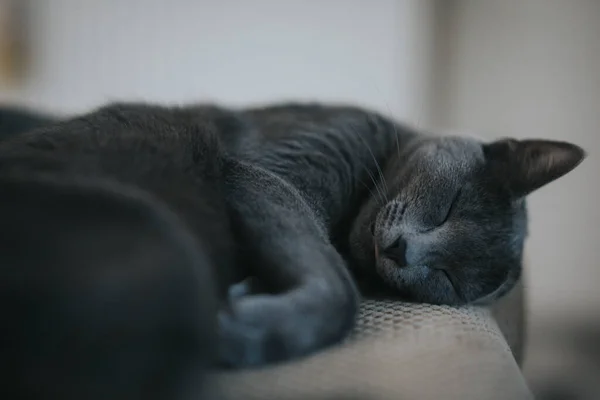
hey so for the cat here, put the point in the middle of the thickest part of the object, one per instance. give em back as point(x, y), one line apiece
point(132, 229)
point(16, 120)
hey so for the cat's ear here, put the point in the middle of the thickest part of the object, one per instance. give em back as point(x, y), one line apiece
point(527, 165)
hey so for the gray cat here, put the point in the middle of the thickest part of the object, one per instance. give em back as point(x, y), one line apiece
point(129, 230)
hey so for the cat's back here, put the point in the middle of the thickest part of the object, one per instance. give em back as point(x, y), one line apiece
point(279, 121)
point(114, 141)
point(165, 152)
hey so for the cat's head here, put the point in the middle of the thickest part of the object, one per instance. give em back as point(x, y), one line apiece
point(451, 227)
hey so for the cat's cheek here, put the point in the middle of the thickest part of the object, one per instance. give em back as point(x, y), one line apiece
point(418, 283)
point(389, 272)
point(362, 250)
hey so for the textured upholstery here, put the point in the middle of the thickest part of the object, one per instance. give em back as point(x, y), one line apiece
point(404, 351)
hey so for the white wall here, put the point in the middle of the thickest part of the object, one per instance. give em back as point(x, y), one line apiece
point(531, 68)
point(87, 52)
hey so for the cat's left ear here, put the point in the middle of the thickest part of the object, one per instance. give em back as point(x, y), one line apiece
point(527, 165)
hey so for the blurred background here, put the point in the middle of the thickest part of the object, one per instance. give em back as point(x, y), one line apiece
point(521, 68)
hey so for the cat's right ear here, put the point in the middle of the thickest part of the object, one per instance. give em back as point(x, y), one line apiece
point(527, 165)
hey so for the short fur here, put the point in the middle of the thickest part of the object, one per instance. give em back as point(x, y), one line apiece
point(124, 230)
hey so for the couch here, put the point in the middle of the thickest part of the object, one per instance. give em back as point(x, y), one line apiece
point(403, 351)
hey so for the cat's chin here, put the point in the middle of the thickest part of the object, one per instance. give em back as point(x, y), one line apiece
point(489, 298)
point(417, 283)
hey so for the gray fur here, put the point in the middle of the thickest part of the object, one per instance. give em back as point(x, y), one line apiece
point(456, 216)
point(296, 196)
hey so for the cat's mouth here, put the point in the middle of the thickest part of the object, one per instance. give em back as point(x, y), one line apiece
point(416, 281)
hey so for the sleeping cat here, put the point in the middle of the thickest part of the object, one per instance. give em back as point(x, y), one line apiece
point(126, 232)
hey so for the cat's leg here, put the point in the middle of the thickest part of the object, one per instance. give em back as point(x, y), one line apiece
point(311, 301)
point(103, 294)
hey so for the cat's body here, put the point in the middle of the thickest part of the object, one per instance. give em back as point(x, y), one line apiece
point(16, 120)
point(289, 195)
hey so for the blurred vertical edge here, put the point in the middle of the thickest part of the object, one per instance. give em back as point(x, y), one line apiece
point(14, 41)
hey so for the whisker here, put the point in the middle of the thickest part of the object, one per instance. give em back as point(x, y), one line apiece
point(390, 115)
point(397, 140)
point(384, 184)
point(381, 198)
point(377, 199)
point(395, 133)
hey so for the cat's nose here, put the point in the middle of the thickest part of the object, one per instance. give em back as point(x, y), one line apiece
point(396, 252)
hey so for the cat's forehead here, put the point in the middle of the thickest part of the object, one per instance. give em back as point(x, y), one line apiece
point(451, 154)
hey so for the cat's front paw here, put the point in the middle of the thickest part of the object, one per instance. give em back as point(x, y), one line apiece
point(248, 286)
point(240, 344)
point(263, 328)
point(251, 332)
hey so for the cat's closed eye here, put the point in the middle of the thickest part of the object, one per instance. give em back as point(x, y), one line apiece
point(452, 206)
point(445, 216)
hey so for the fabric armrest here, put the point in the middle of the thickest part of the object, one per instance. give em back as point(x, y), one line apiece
point(403, 351)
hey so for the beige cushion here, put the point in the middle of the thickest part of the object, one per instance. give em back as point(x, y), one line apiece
point(403, 351)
